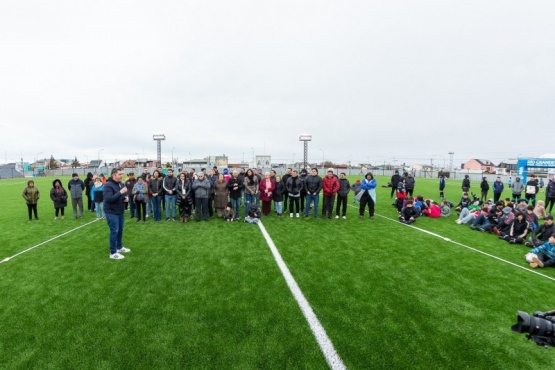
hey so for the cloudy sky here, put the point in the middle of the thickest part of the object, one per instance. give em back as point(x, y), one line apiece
point(374, 81)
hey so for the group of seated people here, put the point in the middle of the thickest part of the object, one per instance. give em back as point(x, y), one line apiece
point(515, 223)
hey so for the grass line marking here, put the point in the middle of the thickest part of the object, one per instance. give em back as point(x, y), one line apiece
point(467, 247)
point(326, 346)
point(47, 241)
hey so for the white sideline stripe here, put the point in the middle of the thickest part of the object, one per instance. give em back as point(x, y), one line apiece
point(47, 241)
point(326, 346)
point(467, 247)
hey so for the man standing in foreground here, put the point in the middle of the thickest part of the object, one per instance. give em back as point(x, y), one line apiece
point(115, 195)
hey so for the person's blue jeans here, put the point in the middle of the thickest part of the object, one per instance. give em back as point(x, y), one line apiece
point(235, 206)
point(249, 199)
point(309, 200)
point(99, 208)
point(156, 207)
point(115, 224)
point(279, 207)
point(481, 221)
point(170, 204)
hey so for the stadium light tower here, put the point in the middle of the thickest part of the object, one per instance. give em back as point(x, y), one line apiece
point(159, 138)
point(305, 138)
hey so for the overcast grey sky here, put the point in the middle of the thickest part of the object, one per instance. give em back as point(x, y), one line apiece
point(370, 80)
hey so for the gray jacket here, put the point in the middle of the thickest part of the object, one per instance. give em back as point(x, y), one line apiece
point(76, 188)
point(517, 187)
point(202, 188)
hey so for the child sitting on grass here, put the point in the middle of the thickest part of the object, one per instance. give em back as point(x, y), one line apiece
point(543, 255)
point(408, 214)
point(433, 210)
point(539, 210)
point(228, 213)
point(253, 216)
point(445, 208)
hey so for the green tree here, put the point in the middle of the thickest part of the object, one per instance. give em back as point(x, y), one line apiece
point(52, 163)
point(75, 163)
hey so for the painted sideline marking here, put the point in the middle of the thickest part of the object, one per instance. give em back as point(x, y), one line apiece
point(467, 247)
point(326, 346)
point(49, 240)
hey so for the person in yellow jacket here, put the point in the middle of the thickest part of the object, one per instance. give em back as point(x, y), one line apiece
point(31, 195)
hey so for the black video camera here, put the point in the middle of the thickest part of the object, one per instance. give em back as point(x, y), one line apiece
point(540, 327)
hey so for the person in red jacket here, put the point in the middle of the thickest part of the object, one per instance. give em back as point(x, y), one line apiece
point(330, 184)
point(433, 211)
point(267, 187)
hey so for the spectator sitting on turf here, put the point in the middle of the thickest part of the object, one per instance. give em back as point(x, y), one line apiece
point(543, 255)
point(433, 211)
point(445, 208)
point(481, 222)
point(408, 214)
point(420, 205)
point(505, 221)
point(522, 205)
point(542, 233)
point(469, 213)
point(518, 230)
point(463, 203)
point(539, 210)
point(254, 215)
point(531, 218)
point(228, 213)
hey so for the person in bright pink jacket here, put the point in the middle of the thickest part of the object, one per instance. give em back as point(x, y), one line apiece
point(433, 211)
point(330, 184)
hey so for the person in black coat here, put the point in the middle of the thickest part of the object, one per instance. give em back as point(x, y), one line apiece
point(484, 187)
point(394, 182)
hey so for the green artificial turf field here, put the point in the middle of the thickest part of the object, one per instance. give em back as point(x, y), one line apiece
point(210, 294)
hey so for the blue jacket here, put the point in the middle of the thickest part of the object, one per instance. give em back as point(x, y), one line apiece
point(113, 199)
point(368, 185)
point(498, 187)
point(546, 248)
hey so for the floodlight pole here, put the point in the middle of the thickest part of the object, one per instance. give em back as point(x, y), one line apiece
point(158, 138)
point(305, 138)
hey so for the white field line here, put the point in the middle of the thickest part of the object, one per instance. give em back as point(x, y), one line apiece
point(326, 346)
point(47, 241)
point(467, 247)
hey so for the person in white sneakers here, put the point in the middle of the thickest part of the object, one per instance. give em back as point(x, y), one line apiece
point(544, 255)
point(115, 195)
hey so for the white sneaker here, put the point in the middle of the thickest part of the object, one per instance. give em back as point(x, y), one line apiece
point(298, 215)
point(337, 216)
point(290, 215)
point(124, 250)
point(458, 221)
point(344, 217)
point(116, 256)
